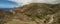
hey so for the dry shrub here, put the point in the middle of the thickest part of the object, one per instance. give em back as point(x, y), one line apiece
point(35, 13)
point(5, 16)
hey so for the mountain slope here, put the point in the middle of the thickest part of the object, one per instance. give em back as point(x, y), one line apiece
point(38, 13)
point(34, 13)
point(5, 16)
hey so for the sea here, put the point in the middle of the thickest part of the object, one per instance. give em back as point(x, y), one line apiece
point(7, 9)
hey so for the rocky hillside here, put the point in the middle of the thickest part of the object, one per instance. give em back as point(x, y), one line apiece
point(34, 13)
point(37, 13)
point(5, 16)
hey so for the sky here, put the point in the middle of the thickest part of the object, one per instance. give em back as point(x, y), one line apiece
point(22, 2)
point(36, 1)
point(7, 4)
point(16, 3)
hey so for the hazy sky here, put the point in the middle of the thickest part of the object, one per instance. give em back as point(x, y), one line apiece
point(14, 3)
point(37, 1)
point(22, 2)
point(7, 4)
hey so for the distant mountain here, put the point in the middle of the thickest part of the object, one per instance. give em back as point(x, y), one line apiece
point(7, 9)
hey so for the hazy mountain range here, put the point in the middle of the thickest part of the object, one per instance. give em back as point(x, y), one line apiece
point(6, 9)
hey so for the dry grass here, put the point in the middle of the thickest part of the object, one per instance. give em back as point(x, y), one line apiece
point(5, 16)
point(36, 13)
point(40, 13)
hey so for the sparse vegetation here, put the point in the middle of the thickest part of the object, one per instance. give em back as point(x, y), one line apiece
point(34, 13)
point(5, 16)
